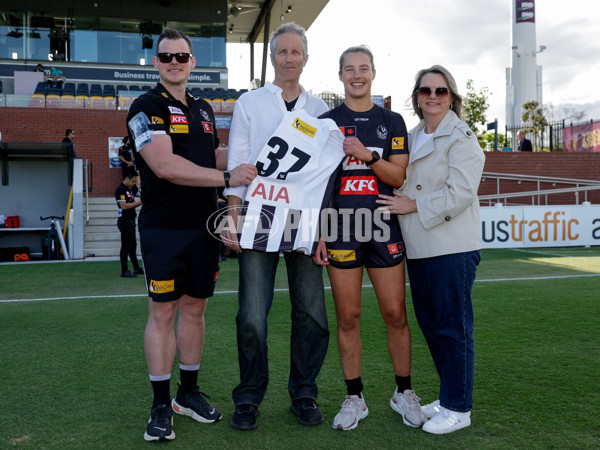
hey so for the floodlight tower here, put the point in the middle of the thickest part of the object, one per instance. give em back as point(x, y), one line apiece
point(524, 78)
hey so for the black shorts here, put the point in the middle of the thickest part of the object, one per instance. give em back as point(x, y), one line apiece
point(179, 262)
point(377, 246)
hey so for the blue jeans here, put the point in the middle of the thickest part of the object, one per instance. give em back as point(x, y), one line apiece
point(310, 332)
point(441, 293)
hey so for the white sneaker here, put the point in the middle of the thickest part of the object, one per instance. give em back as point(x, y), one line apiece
point(447, 421)
point(353, 409)
point(431, 409)
point(407, 405)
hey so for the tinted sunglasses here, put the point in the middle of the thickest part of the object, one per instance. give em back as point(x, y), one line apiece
point(166, 58)
point(439, 92)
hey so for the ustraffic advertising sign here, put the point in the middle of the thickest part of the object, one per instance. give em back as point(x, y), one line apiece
point(540, 226)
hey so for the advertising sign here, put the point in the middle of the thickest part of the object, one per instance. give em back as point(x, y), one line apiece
point(525, 11)
point(540, 226)
point(582, 138)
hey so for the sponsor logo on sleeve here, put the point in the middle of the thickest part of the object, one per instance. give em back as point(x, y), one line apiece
point(397, 143)
point(208, 127)
point(161, 287)
point(178, 129)
point(175, 110)
point(122, 197)
point(178, 119)
point(157, 120)
point(359, 186)
point(341, 255)
point(305, 128)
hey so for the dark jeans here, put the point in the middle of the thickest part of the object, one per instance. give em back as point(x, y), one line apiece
point(441, 292)
point(128, 244)
point(310, 332)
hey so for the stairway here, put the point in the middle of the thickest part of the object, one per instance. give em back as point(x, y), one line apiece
point(101, 237)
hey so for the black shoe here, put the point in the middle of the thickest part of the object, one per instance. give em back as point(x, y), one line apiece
point(160, 425)
point(244, 417)
point(191, 403)
point(308, 411)
point(139, 271)
point(128, 274)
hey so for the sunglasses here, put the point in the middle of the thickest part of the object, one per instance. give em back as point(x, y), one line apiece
point(166, 58)
point(439, 92)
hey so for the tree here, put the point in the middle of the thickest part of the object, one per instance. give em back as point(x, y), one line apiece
point(475, 105)
point(533, 120)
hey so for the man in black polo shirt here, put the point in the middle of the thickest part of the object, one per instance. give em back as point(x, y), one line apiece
point(177, 154)
point(125, 197)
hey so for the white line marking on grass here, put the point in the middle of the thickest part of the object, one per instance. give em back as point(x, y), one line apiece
point(491, 280)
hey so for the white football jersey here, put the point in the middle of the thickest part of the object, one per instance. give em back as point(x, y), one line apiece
point(283, 204)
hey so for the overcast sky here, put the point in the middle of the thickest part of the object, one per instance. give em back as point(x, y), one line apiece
point(470, 38)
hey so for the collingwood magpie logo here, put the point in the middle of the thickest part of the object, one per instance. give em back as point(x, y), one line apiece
point(382, 132)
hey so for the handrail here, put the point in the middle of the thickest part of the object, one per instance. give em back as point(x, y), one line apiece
point(539, 193)
point(86, 177)
point(523, 177)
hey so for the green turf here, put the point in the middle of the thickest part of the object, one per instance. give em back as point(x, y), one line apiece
point(73, 374)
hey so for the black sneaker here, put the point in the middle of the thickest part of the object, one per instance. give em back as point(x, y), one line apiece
point(160, 425)
point(192, 403)
point(244, 417)
point(139, 271)
point(308, 411)
point(128, 274)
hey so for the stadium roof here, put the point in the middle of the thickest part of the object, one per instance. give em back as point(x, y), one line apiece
point(246, 19)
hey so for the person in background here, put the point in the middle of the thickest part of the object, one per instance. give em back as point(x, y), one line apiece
point(438, 211)
point(67, 142)
point(256, 116)
point(126, 156)
point(39, 68)
point(175, 138)
point(524, 144)
point(55, 81)
point(376, 151)
point(125, 197)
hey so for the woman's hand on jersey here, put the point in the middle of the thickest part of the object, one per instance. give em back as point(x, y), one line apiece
point(320, 256)
point(242, 174)
point(353, 147)
point(397, 204)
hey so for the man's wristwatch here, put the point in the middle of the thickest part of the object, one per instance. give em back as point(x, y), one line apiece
point(376, 158)
point(226, 175)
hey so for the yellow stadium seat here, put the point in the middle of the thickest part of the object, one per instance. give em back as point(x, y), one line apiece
point(82, 101)
point(67, 101)
point(37, 101)
point(52, 101)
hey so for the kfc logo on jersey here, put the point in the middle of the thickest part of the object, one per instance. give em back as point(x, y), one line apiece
point(175, 110)
point(349, 131)
point(359, 186)
point(208, 127)
point(179, 119)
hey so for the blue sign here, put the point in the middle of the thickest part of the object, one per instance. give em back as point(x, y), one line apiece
point(116, 74)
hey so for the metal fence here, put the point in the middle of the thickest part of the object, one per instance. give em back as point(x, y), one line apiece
point(550, 139)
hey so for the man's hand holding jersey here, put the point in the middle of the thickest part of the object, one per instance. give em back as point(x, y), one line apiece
point(242, 174)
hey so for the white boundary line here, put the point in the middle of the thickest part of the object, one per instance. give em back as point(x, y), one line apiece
point(493, 280)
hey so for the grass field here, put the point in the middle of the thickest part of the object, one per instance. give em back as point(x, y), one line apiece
point(72, 370)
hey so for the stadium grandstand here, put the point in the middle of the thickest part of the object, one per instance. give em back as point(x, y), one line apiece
point(105, 49)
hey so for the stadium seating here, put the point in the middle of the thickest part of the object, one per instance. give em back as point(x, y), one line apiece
point(67, 101)
point(38, 100)
point(81, 101)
